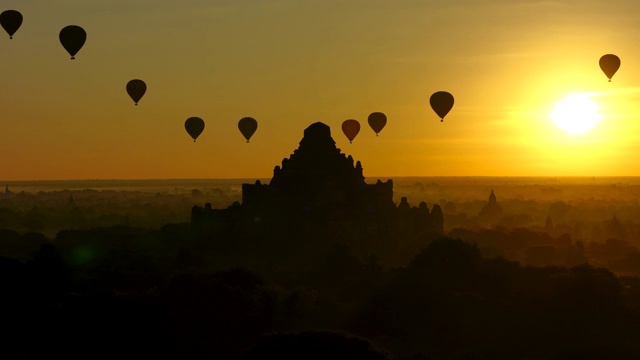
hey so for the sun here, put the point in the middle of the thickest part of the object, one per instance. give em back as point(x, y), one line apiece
point(576, 114)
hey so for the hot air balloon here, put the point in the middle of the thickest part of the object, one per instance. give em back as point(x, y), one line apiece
point(136, 89)
point(194, 126)
point(441, 102)
point(11, 21)
point(609, 64)
point(351, 128)
point(377, 121)
point(247, 126)
point(72, 38)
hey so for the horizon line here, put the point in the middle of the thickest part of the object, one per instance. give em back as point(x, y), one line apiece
point(366, 177)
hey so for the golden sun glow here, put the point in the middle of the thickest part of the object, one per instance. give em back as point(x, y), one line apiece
point(576, 114)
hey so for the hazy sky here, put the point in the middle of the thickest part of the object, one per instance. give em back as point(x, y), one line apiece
point(289, 63)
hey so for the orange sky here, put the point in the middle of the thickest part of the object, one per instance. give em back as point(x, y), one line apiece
point(290, 63)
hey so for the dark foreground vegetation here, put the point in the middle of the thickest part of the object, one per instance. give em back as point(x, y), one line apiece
point(124, 292)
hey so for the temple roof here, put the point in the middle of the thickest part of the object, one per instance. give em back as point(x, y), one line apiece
point(317, 163)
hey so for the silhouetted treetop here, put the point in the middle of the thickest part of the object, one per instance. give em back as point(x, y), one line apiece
point(315, 345)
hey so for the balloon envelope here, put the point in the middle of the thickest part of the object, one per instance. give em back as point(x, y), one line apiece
point(11, 21)
point(248, 127)
point(136, 89)
point(377, 121)
point(351, 128)
point(194, 126)
point(441, 102)
point(72, 38)
point(609, 64)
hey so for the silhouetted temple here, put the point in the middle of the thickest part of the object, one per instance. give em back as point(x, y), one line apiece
point(318, 187)
point(317, 178)
point(7, 193)
point(492, 211)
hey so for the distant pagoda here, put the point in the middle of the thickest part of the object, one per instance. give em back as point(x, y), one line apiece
point(492, 211)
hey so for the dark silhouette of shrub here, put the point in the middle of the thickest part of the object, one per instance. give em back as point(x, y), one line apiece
point(315, 345)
